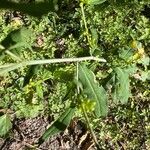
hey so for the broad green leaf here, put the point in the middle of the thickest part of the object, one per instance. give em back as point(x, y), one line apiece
point(18, 38)
point(121, 91)
point(36, 9)
point(92, 90)
point(59, 125)
point(5, 124)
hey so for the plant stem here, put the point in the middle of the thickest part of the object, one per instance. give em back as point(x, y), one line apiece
point(9, 67)
point(85, 23)
point(84, 111)
point(62, 60)
point(90, 128)
point(77, 76)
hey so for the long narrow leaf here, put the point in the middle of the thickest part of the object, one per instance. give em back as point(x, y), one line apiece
point(92, 90)
point(59, 125)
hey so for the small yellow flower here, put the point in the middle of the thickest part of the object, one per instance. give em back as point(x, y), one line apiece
point(134, 44)
point(136, 56)
point(140, 53)
point(88, 105)
point(16, 22)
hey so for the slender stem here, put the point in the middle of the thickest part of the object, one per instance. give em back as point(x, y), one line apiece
point(52, 61)
point(85, 23)
point(12, 55)
point(62, 60)
point(83, 110)
point(9, 67)
point(83, 16)
point(90, 128)
point(31, 146)
point(77, 76)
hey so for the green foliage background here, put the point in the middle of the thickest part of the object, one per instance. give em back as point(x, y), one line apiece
point(112, 26)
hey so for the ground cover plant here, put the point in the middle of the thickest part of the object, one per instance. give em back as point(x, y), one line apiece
point(85, 59)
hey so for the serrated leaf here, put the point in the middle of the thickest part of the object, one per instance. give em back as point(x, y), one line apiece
point(122, 86)
point(92, 90)
point(59, 125)
point(5, 124)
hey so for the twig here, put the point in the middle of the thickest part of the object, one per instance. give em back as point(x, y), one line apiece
point(31, 146)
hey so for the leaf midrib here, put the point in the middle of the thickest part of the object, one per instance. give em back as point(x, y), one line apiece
point(92, 89)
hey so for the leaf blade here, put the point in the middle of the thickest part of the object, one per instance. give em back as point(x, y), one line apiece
point(59, 125)
point(92, 90)
point(122, 86)
point(5, 124)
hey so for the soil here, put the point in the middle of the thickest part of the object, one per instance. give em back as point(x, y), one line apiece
point(26, 133)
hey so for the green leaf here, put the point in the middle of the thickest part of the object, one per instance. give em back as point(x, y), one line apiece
point(30, 73)
point(126, 54)
point(145, 75)
point(39, 90)
point(4, 69)
point(145, 61)
point(131, 69)
point(35, 9)
point(59, 125)
point(95, 2)
point(5, 124)
point(121, 90)
point(64, 74)
point(92, 90)
point(18, 38)
point(94, 41)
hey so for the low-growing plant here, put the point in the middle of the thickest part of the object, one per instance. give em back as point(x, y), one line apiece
point(102, 59)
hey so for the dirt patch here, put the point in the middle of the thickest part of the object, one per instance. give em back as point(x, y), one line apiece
point(26, 133)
